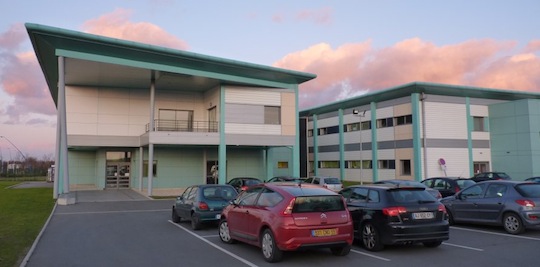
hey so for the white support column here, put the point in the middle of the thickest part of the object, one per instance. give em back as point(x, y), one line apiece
point(141, 167)
point(62, 157)
point(150, 130)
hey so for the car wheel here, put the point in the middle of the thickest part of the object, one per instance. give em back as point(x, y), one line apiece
point(512, 224)
point(450, 217)
point(341, 251)
point(224, 233)
point(270, 251)
point(175, 218)
point(195, 222)
point(432, 244)
point(371, 240)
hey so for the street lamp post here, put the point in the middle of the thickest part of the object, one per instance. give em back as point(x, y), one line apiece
point(24, 158)
point(357, 112)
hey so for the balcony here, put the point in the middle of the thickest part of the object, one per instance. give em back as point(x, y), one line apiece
point(184, 126)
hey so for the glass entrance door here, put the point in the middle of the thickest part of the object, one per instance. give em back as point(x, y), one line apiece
point(117, 175)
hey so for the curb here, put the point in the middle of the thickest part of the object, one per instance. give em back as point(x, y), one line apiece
point(31, 251)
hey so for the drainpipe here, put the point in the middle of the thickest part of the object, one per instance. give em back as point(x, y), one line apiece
point(424, 142)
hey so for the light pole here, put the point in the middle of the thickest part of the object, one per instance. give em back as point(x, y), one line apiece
point(24, 158)
point(357, 112)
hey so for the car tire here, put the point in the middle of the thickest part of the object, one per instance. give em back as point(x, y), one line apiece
point(341, 251)
point(175, 218)
point(370, 237)
point(450, 217)
point(512, 223)
point(270, 251)
point(432, 244)
point(224, 232)
point(195, 222)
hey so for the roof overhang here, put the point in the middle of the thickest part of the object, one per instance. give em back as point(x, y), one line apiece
point(98, 61)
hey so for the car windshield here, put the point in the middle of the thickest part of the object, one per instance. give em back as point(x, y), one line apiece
point(331, 181)
point(219, 192)
point(318, 204)
point(503, 175)
point(411, 195)
point(529, 190)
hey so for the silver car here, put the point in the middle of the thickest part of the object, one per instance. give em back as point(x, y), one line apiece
point(331, 183)
point(513, 204)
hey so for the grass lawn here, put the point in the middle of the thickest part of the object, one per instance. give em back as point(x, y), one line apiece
point(23, 212)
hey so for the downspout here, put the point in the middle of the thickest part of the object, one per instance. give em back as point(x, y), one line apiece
point(315, 147)
point(341, 147)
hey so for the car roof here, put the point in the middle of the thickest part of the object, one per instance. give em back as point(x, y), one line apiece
point(298, 189)
point(383, 186)
point(449, 177)
point(513, 182)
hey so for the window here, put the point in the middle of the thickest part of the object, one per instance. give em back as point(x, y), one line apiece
point(402, 120)
point(322, 131)
point(154, 168)
point(283, 164)
point(405, 167)
point(478, 124)
point(355, 164)
point(386, 122)
point(310, 133)
point(329, 164)
point(373, 196)
point(332, 130)
point(359, 195)
point(272, 115)
point(387, 164)
point(175, 120)
point(367, 164)
point(248, 197)
point(269, 198)
point(113, 156)
point(366, 125)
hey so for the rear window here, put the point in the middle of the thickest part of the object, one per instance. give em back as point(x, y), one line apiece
point(529, 190)
point(251, 182)
point(410, 195)
point(465, 183)
point(221, 192)
point(331, 181)
point(504, 176)
point(318, 204)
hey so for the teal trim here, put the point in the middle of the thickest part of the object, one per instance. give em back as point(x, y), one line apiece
point(470, 126)
point(296, 150)
point(315, 146)
point(222, 150)
point(341, 146)
point(417, 143)
point(374, 144)
point(269, 163)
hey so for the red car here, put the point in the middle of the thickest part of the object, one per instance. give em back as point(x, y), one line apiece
point(281, 217)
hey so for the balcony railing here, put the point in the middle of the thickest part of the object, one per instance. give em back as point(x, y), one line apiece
point(184, 126)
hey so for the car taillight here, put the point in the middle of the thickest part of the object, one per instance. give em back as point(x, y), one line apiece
point(456, 189)
point(394, 211)
point(243, 188)
point(289, 208)
point(525, 203)
point(442, 208)
point(203, 206)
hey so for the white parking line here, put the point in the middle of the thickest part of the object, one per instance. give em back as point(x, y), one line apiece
point(370, 255)
point(460, 246)
point(206, 236)
point(214, 245)
point(493, 233)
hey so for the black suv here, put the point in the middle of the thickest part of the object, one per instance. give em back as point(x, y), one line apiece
point(387, 214)
point(489, 176)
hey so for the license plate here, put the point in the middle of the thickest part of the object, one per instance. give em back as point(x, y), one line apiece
point(422, 215)
point(218, 216)
point(324, 232)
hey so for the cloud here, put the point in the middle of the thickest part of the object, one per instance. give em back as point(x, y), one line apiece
point(117, 25)
point(355, 69)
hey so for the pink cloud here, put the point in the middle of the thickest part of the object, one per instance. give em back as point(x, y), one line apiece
point(353, 69)
point(11, 39)
point(532, 46)
point(117, 25)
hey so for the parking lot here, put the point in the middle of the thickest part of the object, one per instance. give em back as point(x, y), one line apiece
point(140, 233)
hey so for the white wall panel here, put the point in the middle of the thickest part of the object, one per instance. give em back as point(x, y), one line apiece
point(479, 111)
point(457, 162)
point(82, 128)
point(387, 174)
point(254, 96)
point(480, 136)
point(329, 156)
point(384, 134)
point(334, 121)
point(385, 112)
point(237, 128)
point(446, 120)
point(481, 154)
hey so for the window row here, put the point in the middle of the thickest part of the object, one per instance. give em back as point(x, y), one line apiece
point(389, 164)
point(364, 125)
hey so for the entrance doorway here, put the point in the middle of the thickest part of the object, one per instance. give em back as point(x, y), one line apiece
point(117, 175)
point(481, 167)
point(117, 171)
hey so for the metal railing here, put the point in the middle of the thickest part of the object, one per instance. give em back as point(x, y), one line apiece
point(184, 126)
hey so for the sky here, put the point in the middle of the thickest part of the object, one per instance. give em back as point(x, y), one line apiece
point(353, 46)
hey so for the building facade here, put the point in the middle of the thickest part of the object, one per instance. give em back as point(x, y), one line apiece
point(158, 120)
point(421, 130)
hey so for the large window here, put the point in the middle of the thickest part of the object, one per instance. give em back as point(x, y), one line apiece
point(154, 168)
point(402, 120)
point(386, 122)
point(175, 120)
point(387, 164)
point(272, 115)
point(333, 164)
